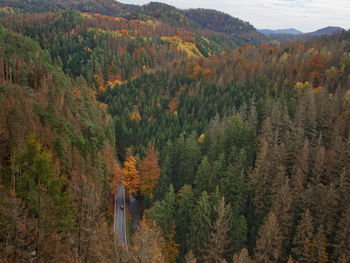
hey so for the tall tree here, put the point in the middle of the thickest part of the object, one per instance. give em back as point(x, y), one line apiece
point(319, 246)
point(149, 172)
point(171, 247)
point(216, 247)
point(18, 229)
point(303, 238)
point(163, 212)
point(201, 222)
point(342, 248)
point(131, 176)
point(269, 244)
point(147, 244)
point(183, 215)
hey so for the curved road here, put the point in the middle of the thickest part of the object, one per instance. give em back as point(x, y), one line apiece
point(119, 215)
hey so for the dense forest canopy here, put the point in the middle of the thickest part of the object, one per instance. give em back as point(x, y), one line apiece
point(237, 148)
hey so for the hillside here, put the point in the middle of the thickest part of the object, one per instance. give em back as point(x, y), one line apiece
point(231, 32)
point(54, 137)
point(105, 7)
point(330, 30)
point(236, 151)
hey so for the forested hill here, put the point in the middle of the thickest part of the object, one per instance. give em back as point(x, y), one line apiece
point(233, 30)
point(105, 7)
point(237, 152)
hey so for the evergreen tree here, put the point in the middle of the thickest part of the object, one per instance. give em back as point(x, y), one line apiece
point(184, 215)
point(217, 246)
point(303, 238)
point(201, 222)
point(342, 249)
point(269, 244)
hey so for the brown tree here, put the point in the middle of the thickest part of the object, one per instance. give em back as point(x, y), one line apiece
point(216, 247)
point(242, 257)
point(148, 244)
point(318, 247)
point(171, 247)
point(190, 258)
point(342, 249)
point(149, 172)
point(269, 244)
point(303, 238)
point(17, 229)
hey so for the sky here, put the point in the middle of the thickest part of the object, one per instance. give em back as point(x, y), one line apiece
point(304, 15)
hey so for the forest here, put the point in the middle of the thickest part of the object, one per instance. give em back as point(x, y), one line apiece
point(237, 147)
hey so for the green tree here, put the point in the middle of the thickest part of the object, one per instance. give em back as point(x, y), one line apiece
point(163, 212)
point(184, 215)
point(201, 222)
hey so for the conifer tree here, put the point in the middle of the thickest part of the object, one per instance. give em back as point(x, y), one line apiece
point(342, 247)
point(148, 245)
point(303, 238)
point(171, 247)
point(242, 257)
point(183, 217)
point(269, 244)
point(318, 247)
point(217, 245)
point(163, 212)
point(201, 222)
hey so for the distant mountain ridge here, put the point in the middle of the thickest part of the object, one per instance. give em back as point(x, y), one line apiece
point(291, 31)
point(330, 30)
point(285, 35)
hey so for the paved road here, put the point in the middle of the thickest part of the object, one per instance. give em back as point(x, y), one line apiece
point(119, 215)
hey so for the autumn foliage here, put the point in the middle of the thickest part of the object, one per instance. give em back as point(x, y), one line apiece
point(130, 175)
point(149, 172)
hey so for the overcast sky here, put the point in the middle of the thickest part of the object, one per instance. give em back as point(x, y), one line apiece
point(304, 15)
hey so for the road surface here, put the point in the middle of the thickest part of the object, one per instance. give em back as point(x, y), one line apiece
point(119, 215)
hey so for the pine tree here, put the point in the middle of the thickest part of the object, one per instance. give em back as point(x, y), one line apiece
point(342, 246)
point(269, 244)
point(318, 247)
point(217, 246)
point(201, 222)
point(171, 247)
point(204, 176)
point(242, 257)
point(303, 238)
point(148, 244)
point(281, 207)
point(183, 217)
point(163, 213)
point(190, 258)
point(18, 229)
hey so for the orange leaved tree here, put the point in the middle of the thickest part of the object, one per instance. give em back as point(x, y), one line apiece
point(149, 171)
point(131, 177)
